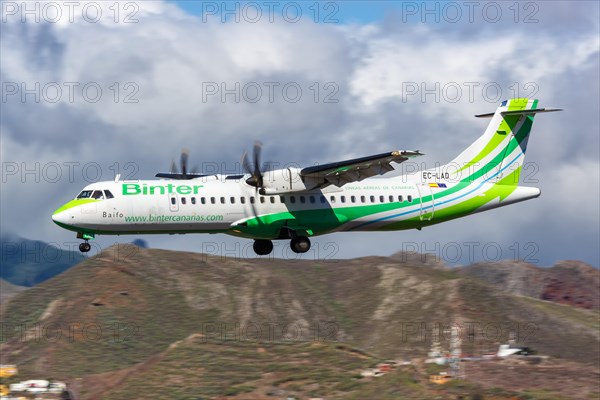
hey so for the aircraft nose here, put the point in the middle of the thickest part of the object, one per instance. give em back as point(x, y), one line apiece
point(64, 215)
point(60, 217)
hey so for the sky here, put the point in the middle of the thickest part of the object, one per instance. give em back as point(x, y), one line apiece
point(91, 88)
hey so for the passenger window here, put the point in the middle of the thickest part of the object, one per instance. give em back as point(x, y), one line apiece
point(292, 199)
point(372, 198)
point(343, 199)
point(86, 194)
point(243, 200)
point(353, 199)
point(282, 199)
point(362, 199)
point(252, 200)
point(400, 199)
point(212, 200)
point(98, 195)
point(409, 198)
point(332, 199)
point(381, 199)
point(272, 199)
point(183, 200)
point(203, 200)
point(232, 199)
point(312, 199)
point(323, 199)
point(262, 199)
point(108, 194)
point(391, 198)
point(173, 200)
point(222, 200)
point(193, 200)
point(302, 199)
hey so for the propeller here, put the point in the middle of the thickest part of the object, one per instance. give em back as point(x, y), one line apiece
point(256, 176)
point(183, 162)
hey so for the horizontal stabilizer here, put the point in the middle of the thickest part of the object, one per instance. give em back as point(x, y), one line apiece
point(520, 112)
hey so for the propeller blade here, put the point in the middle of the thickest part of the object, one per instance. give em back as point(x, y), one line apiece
point(184, 160)
point(247, 167)
point(246, 163)
point(256, 176)
point(256, 153)
point(174, 167)
point(257, 173)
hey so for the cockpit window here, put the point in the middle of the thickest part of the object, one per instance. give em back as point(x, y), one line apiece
point(86, 194)
point(108, 194)
point(98, 195)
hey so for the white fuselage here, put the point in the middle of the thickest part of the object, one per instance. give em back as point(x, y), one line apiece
point(217, 204)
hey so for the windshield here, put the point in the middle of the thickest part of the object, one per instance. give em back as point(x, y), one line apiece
point(86, 194)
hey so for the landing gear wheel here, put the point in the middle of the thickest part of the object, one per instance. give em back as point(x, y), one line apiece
point(262, 247)
point(300, 244)
point(84, 247)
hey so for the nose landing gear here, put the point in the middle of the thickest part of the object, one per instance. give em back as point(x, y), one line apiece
point(84, 247)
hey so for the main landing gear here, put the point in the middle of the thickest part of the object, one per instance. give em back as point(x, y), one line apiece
point(262, 247)
point(298, 244)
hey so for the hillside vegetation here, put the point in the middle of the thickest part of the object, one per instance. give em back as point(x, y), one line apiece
point(147, 323)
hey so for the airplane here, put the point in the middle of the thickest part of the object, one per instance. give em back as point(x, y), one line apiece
point(298, 203)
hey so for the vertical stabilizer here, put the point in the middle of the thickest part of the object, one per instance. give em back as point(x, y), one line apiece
point(498, 155)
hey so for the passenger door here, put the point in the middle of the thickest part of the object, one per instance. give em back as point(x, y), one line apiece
point(427, 202)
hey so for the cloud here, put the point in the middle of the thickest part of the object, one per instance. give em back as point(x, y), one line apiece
point(158, 78)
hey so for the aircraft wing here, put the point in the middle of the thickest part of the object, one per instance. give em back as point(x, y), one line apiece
point(357, 169)
point(177, 175)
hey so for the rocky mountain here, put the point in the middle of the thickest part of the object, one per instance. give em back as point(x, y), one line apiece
point(144, 323)
point(568, 282)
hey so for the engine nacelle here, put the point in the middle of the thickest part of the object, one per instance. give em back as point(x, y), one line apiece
point(286, 180)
